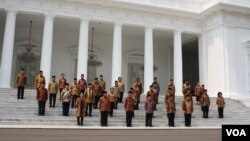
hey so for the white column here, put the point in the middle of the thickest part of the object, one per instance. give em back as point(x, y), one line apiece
point(117, 53)
point(7, 52)
point(148, 58)
point(201, 60)
point(82, 63)
point(47, 47)
point(178, 80)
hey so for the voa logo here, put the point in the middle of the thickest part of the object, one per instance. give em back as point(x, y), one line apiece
point(236, 132)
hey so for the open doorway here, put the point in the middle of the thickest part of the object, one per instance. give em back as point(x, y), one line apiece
point(190, 60)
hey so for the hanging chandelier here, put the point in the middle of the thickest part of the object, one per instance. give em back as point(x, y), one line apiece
point(28, 56)
point(92, 61)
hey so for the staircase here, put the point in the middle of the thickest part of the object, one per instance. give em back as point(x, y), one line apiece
point(23, 112)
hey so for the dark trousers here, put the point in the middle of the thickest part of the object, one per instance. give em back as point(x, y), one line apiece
point(129, 116)
point(65, 106)
point(80, 120)
point(187, 119)
point(112, 104)
point(205, 110)
point(97, 98)
point(20, 92)
point(60, 90)
point(149, 117)
point(171, 117)
point(73, 103)
point(41, 107)
point(89, 109)
point(116, 104)
point(198, 99)
point(220, 111)
point(157, 98)
point(104, 118)
point(52, 100)
point(121, 97)
point(137, 105)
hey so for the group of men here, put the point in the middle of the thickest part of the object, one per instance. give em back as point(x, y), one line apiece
point(84, 97)
point(202, 98)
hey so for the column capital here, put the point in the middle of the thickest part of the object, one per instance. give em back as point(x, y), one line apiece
point(118, 23)
point(84, 19)
point(11, 10)
point(178, 31)
point(149, 27)
point(49, 14)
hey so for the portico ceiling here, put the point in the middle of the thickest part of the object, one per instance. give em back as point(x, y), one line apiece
point(102, 28)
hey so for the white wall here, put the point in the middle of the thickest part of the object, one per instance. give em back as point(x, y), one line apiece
point(215, 48)
point(237, 61)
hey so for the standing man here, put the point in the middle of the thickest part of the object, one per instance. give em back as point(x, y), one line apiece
point(172, 86)
point(129, 108)
point(89, 99)
point(66, 98)
point(53, 89)
point(137, 86)
point(152, 94)
point(112, 99)
point(82, 84)
point(62, 83)
point(121, 87)
point(198, 90)
point(117, 93)
point(170, 104)
point(149, 111)
point(41, 97)
point(104, 107)
point(187, 107)
point(80, 109)
point(102, 83)
point(39, 80)
point(205, 103)
point(186, 86)
point(21, 82)
point(75, 91)
point(156, 86)
point(220, 102)
point(97, 91)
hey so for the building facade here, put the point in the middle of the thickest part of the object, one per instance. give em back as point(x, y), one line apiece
point(206, 41)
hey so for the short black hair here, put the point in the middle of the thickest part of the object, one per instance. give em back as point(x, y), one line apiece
point(75, 78)
point(89, 84)
point(53, 76)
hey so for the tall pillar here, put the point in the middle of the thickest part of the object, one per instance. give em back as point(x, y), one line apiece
point(178, 80)
point(7, 52)
point(117, 53)
point(148, 58)
point(82, 63)
point(201, 60)
point(46, 55)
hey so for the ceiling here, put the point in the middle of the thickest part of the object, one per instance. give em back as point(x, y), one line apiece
point(101, 28)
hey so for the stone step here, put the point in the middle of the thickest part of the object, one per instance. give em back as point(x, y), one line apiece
point(24, 112)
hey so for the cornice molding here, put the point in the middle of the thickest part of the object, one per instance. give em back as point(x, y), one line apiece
point(103, 13)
